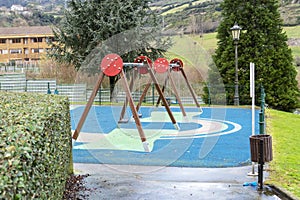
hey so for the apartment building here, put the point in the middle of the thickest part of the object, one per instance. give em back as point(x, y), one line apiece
point(24, 44)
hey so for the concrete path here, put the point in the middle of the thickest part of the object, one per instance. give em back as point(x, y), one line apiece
point(128, 182)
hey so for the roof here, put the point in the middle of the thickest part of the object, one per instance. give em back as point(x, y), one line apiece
point(26, 30)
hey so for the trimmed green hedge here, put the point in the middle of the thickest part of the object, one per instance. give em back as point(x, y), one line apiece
point(35, 145)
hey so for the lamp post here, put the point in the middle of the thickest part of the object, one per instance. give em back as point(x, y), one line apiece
point(236, 30)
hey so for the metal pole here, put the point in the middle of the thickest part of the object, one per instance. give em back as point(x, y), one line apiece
point(100, 97)
point(262, 113)
point(261, 164)
point(236, 82)
point(252, 86)
point(252, 95)
point(48, 90)
point(153, 94)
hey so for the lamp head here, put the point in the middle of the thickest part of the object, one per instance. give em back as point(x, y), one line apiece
point(236, 30)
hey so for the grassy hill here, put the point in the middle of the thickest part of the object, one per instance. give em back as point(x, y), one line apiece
point(189, 47)
point(204, 15)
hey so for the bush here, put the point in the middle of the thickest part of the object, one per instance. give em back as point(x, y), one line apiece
point(35, 146)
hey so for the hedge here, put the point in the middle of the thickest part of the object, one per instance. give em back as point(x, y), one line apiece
point(35, 145)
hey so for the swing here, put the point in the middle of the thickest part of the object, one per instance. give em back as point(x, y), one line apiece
point(112, 65)
point(177, 65)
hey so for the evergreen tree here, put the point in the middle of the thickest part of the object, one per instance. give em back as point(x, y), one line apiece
point(80, 40)
point(88, 23)
point(262, 42)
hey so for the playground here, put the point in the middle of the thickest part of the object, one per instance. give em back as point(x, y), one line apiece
point(168, 135)
point(215, 137)
point(162, 134)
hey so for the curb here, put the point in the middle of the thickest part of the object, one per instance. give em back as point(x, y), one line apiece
point(282, 193)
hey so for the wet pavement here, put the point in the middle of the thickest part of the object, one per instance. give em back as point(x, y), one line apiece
point(130, 182)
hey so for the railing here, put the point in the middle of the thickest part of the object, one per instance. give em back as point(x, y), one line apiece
point(40, 86)
point(19, 67)
point(75, 92)
point(16, 82)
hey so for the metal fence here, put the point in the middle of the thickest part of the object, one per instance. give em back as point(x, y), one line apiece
point(75, 92)
point(19, 68)
point(16, 82)
point(13, 82)
point(40, 86)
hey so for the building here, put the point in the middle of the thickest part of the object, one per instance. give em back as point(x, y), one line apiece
point(17, 8)
point(24, 44)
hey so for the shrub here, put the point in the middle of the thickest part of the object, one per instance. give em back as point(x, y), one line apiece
point(35, 145)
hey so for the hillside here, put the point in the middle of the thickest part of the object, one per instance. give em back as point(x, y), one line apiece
point(30, 12)
point(180, 16)
point(202, 16)
point(9, 3)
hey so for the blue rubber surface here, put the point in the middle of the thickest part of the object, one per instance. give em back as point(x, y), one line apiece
point(227, 150)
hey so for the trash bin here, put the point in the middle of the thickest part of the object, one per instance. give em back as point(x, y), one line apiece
point(267, 147)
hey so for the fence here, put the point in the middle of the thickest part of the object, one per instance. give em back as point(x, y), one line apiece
point(40, 86)
point(20, 67)
point(13, 82)
point(75, 92)
point(16, 82)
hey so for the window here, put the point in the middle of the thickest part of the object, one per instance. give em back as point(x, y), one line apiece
point(26, 51)
point(16, 40)
point(15, 51)
point(48, 39)
point(34, 50)
point(35, 40)
point(2, 41)
point(4, 51)
point(25, 40)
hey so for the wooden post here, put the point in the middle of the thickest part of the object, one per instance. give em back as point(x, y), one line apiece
point(163, 90)
point(176, 93)
point(144, 94)
point(190, 87)
point(88, 106)
point(126, 99)
point(134, 111)
point(163, 99)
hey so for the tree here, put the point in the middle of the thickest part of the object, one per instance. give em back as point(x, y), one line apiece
point(89, 24)
point(262, 42)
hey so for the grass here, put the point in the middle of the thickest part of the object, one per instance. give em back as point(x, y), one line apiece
point(292, 31)
point(285, 167)
point(194, 53)
point(295, 51)
point(209, 41)
point(180, 8)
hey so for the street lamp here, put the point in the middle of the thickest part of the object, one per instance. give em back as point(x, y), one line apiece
point(236, 30)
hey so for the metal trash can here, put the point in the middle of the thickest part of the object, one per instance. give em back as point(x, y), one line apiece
point(267, 147)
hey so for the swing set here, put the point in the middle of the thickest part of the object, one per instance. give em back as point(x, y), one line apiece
point(113, 65)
